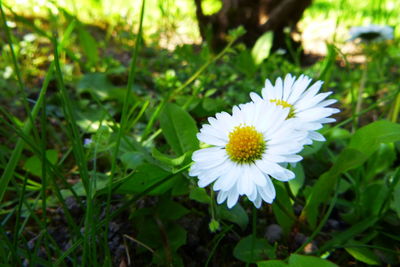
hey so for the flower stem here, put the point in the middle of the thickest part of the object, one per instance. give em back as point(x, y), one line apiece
point(360, 95)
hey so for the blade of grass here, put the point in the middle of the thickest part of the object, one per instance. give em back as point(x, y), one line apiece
point(217, 239)
point(127, 204)
point(17, 70)
point(55, 171)
point(31, 213)
point(12, 252)
point(121, 130)
point(81, 160)
point(10, 167)
point(43, 130)
point(55, 188)
point(16, 154)
point(396, 109)
point(323, 221)
point(21, 195)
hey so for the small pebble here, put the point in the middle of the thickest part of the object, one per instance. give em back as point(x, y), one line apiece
point(273, 233)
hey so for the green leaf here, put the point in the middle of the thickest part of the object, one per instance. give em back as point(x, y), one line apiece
point(102, 181)
point(170, 210)
point(34, 164)
point(236, 215)
point(99, 85)
point(362, 145)
point(272, 263)
point(181, 186)
point(307, 261)
point(89, 45)
point(236, 32)
point(252, 249)
point(262, 47)
point(244, 63)
point(179, 129)
point(284, 220)
point(167, 159)
point(212, 104)
point(200, 195)
point(364, 255)
point(368, 138)
point(297, 183)
point(339, 134)
point(395, 205)
point(144, 177)
point(160, 259)
point(132, 160)
point(381, 160)
point(311, 149)
point(176, 235)
point(372, 198)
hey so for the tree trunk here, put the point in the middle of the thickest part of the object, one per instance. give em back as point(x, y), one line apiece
point(257, 17)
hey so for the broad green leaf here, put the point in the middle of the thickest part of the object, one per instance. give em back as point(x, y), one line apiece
point(244, 63)
point(132, 160)
point(372, 198)
point(34, 164)
point(307, 261)
point(211, 6)
point(144, 177)
point(176, 235)
point(362, 145)
point(171, 161)
point(200, 195)
point(236, 215)
point(99, 85)
point(252, 249)
point(179, 129)
point(364, 255)
point(212, 104)
point(272, 263)
point(148, 233)
point(89, 45)
point(395, 205)
point(153, 234)
point(339, 134)
point(170, 210)
point(382, 159)
point(297, 183)
point(160, 258)
point(284, 220)
point(262, 47)
point(311, 149)
point(100, 183)
point(368, 138)
point(181, 186)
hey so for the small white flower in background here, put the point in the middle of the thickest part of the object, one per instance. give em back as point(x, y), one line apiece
point(307, 107)
point(246, 150)
point(371, 33)
point(87, 142)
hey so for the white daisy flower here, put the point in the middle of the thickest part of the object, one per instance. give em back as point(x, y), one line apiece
point(246, 150)
point(307, 107)
point(371, 33)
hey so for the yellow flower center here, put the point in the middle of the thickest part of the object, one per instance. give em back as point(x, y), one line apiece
point(284, 104)
point(245, 144)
